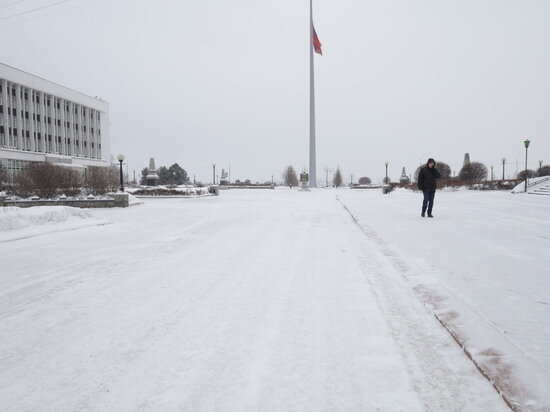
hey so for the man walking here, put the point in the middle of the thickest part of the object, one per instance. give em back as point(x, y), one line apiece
point(427, 183)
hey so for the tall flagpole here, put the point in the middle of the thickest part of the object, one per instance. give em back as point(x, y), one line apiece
point(312, 155)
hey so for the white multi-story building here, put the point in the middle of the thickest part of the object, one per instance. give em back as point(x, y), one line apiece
point(41, 121)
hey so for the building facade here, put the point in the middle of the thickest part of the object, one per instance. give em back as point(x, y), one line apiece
point(41, 121)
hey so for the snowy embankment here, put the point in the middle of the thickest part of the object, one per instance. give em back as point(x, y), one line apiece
point(17, 223)
point(482, 265)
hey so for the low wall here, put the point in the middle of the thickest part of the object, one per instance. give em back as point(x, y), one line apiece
point(223, 187)
point(114, 200)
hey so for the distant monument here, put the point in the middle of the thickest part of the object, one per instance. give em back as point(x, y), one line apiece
point(224, 178)
point(304, 178)
point(404, 179)
point(152, 178)
point(466, 159)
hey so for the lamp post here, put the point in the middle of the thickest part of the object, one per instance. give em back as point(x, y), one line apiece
point(526, 143)
point(503, 163)
point(492, 173)
point(540, 166)
point(120, 158)
point(386, 164)
point(213, 173)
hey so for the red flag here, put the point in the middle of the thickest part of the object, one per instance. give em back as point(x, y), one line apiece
point(317, 43)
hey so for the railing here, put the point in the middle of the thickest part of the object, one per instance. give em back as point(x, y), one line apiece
point(538, 182)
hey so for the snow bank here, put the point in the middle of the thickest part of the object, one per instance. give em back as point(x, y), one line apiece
point(132, 200)
point(13, 218)
point(17, 223)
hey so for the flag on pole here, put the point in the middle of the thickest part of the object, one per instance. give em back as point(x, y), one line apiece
point(317, 43)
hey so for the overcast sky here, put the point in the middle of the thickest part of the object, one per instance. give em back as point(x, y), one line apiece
point(202, 81)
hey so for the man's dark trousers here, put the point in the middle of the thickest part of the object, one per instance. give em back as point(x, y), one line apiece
point(428, 201)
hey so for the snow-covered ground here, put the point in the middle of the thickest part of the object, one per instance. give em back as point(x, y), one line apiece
point(483, 264)
point(268, 301)
point(17, 223)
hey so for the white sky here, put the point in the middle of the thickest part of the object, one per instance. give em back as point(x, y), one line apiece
point(202, 81)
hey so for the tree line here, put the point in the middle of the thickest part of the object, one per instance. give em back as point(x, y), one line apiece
point(173, 175)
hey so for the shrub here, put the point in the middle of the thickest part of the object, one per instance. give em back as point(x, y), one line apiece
point(70, 182)
point(364, 181)
point(100, 180)
point(544, 171)
point(529, 173)
point(37, 179)
point(3, 175)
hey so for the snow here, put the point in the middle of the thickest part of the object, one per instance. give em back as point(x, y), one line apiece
point(18, 222)
point(520, 187)
point(482, 264)
point(251, 301)
point(133, 201)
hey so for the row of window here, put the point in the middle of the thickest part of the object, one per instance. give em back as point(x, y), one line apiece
point(72, 145)
point(24, 95)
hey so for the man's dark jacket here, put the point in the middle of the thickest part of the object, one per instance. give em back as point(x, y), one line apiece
point(427, 177)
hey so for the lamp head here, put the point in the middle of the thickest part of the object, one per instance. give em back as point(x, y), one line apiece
point(526, 142)
point(386, 163)
point(120, 157)
point(503, 160)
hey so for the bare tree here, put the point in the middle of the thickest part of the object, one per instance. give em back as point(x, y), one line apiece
point(100, 180)
point(365, 180)
point(289, 177)
point(475, 172)
point(338, 179)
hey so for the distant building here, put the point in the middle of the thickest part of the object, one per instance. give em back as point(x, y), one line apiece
point(404, 179)
point(41, 121)
point(466, 159)
point(152, 178)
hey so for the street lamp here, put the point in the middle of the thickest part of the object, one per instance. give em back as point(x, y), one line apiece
point(540, 166)
point(213, 173)
point(492, 167)
point(503, 163)
point(386, 171)
point(526, 143)
point(120, 158)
